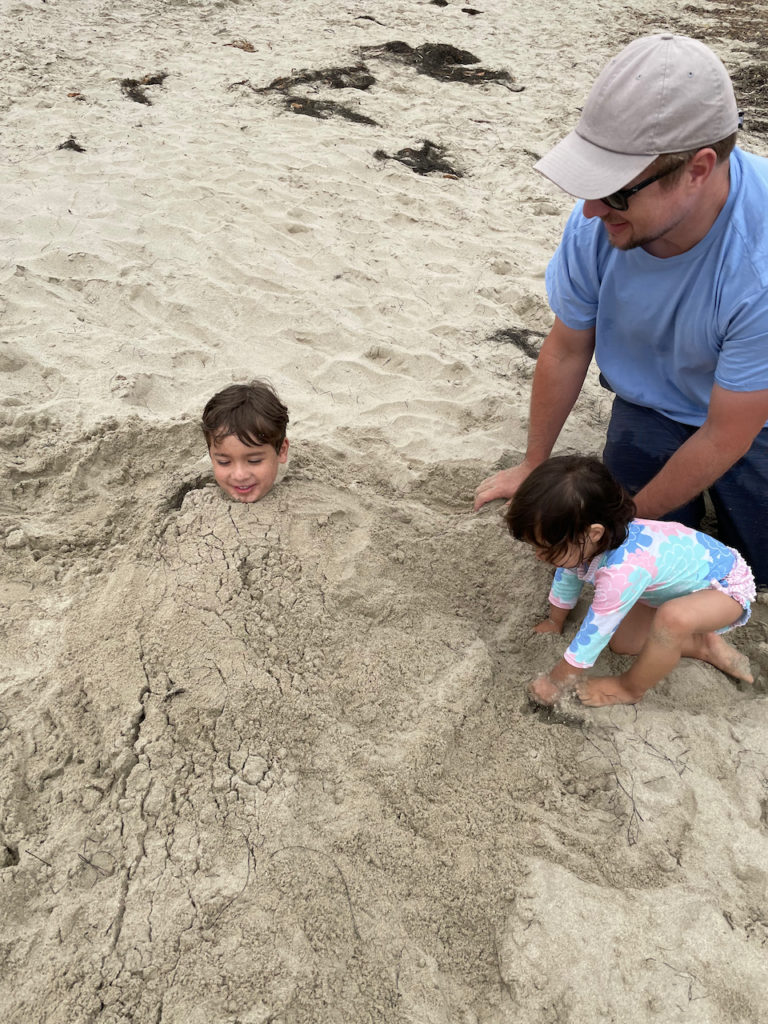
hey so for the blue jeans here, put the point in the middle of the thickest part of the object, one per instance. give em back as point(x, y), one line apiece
point(640, 441)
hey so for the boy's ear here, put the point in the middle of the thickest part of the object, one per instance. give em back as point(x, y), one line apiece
point(596, 532)
point(282, 455)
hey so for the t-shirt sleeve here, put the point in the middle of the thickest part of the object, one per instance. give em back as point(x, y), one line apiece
point(572, 279)
point(617, 589)
point(566, 587)
point(743, 361)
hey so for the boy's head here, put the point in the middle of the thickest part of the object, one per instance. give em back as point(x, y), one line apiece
point(244, 427)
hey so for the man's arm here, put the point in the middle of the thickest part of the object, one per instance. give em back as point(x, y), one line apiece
point(560, 371)
point(734, 419)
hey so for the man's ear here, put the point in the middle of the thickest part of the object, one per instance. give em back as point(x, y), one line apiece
point(702, 165)
point(596, 532)
point(282, 455)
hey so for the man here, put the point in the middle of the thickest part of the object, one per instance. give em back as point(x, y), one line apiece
point(662, 274)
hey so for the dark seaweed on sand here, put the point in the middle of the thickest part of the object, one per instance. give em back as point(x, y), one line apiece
point(325, 109)
point(71, 143)
point(745, 22)
point(750, 82)
point(356, 76)
point(427, 160)
point(442, 61)
point(133, 88)
point(521, 338)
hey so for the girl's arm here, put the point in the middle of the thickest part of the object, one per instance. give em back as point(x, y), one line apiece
point(554, 622)
point(563, 673)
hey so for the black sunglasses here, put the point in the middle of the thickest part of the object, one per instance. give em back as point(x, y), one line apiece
point(619, 200)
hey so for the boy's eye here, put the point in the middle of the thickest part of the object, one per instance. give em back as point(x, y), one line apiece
point(255, 462)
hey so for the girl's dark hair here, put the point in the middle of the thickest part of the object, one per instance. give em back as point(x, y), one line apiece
point(252, 412)
point(556, 505)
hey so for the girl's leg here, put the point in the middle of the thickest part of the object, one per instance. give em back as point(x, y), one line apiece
point(681, 628)
point(633, 630)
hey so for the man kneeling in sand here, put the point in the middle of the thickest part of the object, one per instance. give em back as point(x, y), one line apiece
point(244, 427)
point(662, 275)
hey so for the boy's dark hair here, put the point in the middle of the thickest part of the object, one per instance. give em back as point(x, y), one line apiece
point(556, 505)
point(252, 412)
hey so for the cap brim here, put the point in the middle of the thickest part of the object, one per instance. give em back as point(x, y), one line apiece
point(587, 171)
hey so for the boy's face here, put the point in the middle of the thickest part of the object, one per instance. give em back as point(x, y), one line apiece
point(245, 472)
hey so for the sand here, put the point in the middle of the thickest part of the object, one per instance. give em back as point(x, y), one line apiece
point(274, 762)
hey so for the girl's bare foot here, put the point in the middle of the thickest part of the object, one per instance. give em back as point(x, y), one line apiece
point(712, 648)
point(601, 691)
point(709, 647)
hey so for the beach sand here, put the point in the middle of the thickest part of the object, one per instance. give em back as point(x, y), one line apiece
point(274, 762)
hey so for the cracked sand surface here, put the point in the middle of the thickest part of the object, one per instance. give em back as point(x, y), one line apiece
point(285, 772)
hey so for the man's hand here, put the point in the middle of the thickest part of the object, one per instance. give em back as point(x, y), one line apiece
point(503, 484)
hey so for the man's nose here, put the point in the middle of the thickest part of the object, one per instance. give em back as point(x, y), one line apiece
point(594, 208)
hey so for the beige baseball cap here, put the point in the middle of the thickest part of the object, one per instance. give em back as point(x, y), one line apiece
point(662, 94)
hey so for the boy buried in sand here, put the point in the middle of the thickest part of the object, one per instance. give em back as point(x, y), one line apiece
point(662, 590)
point(244, 427)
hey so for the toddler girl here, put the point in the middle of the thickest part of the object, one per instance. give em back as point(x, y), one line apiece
point(662, 590)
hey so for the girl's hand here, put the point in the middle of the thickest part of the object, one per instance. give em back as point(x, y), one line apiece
point(552, 686)
point(545, 692)
point(548, 626)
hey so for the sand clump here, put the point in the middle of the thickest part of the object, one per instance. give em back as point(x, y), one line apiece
point(277, 759)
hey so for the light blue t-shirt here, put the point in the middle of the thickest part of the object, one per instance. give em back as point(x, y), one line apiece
point(667, 329)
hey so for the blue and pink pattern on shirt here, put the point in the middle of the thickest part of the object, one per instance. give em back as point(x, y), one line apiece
point(657, 562)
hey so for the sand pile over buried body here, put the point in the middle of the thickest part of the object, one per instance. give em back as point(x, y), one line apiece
point(274, 760)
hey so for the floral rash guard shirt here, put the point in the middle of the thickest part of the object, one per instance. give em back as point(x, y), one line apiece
point(657, 561)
